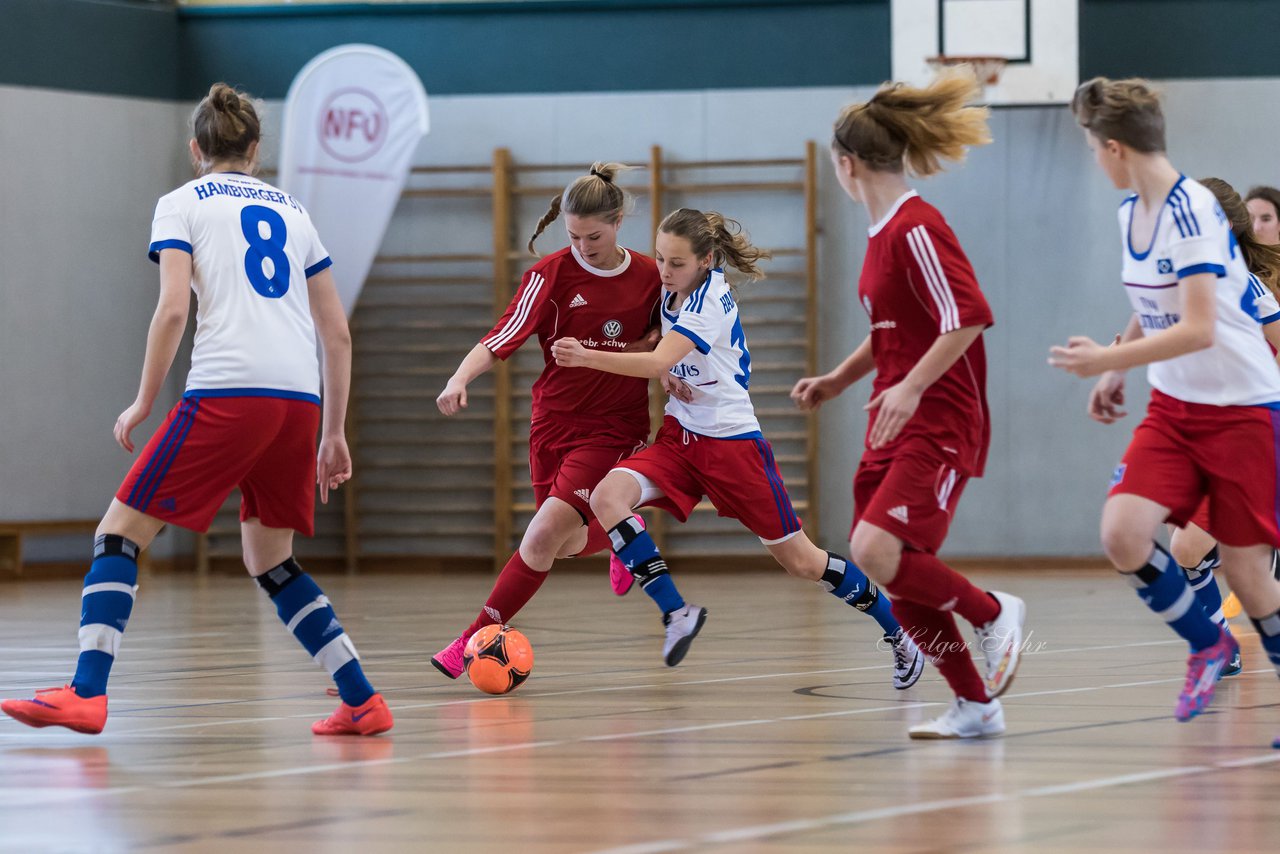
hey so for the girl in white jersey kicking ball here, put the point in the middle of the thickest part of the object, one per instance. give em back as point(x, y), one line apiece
point(1215, 388)
point(247, 420)
point(710, 441)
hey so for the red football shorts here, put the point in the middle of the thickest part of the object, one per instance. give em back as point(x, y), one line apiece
point(208, 446)
point(569, 455)
point(912, 493)
point(738, 475)
point(1200, 518)
point(1184, 452)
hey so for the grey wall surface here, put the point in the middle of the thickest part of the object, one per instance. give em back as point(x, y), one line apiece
point(76, 290)
point(1035, 216)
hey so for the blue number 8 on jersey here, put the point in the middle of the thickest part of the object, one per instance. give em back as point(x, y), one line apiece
point(252, 218)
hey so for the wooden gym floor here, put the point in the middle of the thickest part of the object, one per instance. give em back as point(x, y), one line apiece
point(780, 732)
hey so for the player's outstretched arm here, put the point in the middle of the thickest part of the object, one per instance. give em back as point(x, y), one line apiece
point(570, 353)
point(475, 363)
point(167, 325)
point(1085, 357)
point(333, 461)
point(811, 392)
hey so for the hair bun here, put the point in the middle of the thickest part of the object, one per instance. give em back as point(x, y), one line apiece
point(224, 99)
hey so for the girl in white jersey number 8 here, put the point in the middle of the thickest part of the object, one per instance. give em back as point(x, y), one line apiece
point(710, 443)
point(1215, 388)
point(248, 418)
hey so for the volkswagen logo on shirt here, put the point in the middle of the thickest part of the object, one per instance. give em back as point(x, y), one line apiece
point(611, 329)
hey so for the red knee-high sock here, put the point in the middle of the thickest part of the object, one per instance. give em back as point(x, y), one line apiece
point(515, 586)
point(936, 634)
point(925, 580)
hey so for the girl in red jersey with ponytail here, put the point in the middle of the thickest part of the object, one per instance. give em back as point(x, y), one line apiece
point(583, 422)
point(929, 428)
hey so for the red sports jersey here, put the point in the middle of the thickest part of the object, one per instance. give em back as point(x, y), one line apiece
point(563, 297)
point(916, 285)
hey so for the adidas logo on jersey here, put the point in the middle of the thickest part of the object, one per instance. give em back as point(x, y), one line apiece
point(584, 494)
point(899, 513)
point(577, 302)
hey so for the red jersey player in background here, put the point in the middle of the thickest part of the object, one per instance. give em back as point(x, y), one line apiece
point(583, 422)
point(929, 428)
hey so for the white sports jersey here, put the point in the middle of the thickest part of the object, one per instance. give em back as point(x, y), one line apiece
point(718, 369)
point(1192, 235)
point(253, 248)
point(1262, 304)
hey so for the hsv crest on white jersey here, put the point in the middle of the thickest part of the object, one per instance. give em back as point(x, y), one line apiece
point(719, 368)
point(1192, 235)
point(253, 248)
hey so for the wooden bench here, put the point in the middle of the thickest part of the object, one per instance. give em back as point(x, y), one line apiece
point(12, 535)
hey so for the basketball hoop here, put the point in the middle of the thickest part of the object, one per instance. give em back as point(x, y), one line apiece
point(986, 68)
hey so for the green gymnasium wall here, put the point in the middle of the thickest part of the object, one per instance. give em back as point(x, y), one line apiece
point(154, 50)
point(115, 48)
point(1180, 39)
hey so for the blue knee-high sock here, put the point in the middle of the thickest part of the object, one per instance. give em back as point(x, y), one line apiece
point(1269, 633)
point(105, 606)
point(1205, 586)
point(1165, 590)
point(306, 613)
point(637, 551)
point(843, 580)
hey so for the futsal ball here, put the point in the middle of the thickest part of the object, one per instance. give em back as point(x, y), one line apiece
point(498, 659)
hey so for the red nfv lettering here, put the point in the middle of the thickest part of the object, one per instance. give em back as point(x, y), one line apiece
point(342, 124)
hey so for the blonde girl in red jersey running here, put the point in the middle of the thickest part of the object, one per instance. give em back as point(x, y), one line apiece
point(929, 429)
point(248, 418)
point(1215, 388)
point(583, 422)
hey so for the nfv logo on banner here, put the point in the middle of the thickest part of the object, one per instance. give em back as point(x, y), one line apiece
point(353, 125)
point(353, 120)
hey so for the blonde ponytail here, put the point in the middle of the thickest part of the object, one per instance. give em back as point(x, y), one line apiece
point(916, 128)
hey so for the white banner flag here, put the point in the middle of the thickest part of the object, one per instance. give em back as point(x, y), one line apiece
point(353, 118)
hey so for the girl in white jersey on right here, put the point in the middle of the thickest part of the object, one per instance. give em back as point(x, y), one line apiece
point(1215, 388)
point(248, 418)
point(1192, 546)
point(710, 442)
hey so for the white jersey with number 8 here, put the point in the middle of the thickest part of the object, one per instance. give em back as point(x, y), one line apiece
point(253, 248)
